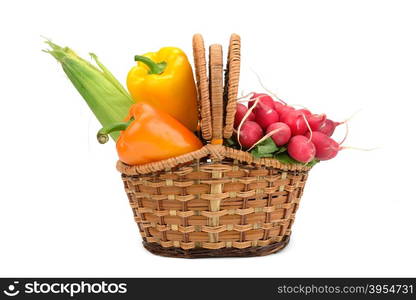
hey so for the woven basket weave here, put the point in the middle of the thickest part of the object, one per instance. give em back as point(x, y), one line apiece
point(216, 201)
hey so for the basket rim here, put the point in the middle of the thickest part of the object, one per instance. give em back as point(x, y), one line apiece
point(215, 151)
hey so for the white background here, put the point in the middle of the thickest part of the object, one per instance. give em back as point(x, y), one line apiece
point(63, 210)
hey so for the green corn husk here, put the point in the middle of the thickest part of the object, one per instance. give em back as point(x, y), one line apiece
point(105, 96)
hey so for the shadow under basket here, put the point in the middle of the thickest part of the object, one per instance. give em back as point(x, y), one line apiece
point(214, 202)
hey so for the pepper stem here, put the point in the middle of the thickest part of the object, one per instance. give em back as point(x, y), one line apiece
point(154, 68)
point(102, 134)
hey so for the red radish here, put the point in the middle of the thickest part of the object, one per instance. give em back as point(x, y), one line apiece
point(282, 109)
point(301, 148)
point(305, 111)
point(296, 121)
point(250, 133)
point(282, 135)
point(328, 127)
point(277, 106)
point(265, 115)
point(326, 148)
point(263, 98)
point(316, 121)
point(241, 111)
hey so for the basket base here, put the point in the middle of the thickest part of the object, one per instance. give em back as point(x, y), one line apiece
point(224, 252)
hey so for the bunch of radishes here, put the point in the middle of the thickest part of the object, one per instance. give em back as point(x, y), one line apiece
point(305, 135)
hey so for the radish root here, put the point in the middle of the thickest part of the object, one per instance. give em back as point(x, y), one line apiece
point(351, 117)
point(243, 97)
point(266, 89)
point(359, 149)
point(309, 127)
point(299, 105)
point(347, 130)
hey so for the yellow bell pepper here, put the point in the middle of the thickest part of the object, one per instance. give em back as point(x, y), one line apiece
point(164, 79)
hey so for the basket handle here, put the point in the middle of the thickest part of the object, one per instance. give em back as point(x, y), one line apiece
point(202, 85)
point(232, 77)
point(216, 91)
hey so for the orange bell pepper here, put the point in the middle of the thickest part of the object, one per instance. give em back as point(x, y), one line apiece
point(150, 135)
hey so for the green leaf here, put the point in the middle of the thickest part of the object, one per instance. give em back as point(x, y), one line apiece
point(267, 146)
point(268, 149)
point(280, 150)
point(285, 158)
point(313, 162)
point(231, 142)
point(257, 154)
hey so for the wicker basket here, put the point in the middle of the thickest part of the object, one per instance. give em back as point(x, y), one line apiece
point(217, 201)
